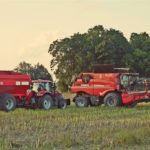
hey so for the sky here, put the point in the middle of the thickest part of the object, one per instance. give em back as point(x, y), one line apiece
point(28, 27)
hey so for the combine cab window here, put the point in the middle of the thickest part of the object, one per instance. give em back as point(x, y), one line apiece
point(129, 81)
point(124, 80)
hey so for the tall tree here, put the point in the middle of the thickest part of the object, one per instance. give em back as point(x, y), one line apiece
point(68, 57)
point(36, 72)
point(111, 47)
point(79, 52)
point(139, 59)
point(25, 68)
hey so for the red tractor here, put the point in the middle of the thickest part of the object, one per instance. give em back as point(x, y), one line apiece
point(109, 86)
point(17, 90)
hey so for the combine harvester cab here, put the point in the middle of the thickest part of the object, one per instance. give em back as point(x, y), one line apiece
point(16, 91)
point(109, 86)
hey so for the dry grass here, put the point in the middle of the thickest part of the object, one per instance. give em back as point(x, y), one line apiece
point(92, 128)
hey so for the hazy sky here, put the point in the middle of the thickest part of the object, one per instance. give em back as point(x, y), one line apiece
point(27, 27)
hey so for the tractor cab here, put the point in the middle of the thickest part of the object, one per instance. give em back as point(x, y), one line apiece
point(47, 85)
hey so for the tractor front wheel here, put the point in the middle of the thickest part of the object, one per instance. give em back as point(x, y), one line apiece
point(46, 102)
point(112, 99)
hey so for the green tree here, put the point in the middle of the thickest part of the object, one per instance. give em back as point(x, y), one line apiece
point(25, 68)
point(69, 57)
point(111, 47)
point(139, 59)
point(36, 72)
point(117, 47)
point(79, 52)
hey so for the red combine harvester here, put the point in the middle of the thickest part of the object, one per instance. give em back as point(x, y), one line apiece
point(109, 86)
point(15, 91)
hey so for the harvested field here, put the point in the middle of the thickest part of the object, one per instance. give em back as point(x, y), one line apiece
point(92, 128)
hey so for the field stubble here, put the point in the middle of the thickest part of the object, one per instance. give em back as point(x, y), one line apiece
point(92, 128)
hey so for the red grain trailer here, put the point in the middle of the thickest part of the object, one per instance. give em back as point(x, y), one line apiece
point(13, 87)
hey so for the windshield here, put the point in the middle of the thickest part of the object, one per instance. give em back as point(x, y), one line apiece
point(46, 86)
point(129, 81)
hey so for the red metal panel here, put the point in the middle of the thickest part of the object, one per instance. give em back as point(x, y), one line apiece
point(14, 83)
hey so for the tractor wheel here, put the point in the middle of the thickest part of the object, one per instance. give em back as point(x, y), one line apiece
point(112, 100)
point(62, 103)
point(46, 102)
point(7, 102)
point(81, 101)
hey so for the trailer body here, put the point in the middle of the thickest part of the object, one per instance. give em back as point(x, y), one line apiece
point(14, 83)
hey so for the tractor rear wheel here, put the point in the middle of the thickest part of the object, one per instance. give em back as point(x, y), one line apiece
point(81, 101)
point(112, 99)
point(62, 103)
point(7, 102)
point(46, 102)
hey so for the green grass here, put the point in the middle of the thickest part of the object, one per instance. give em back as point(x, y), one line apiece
point(92, 128)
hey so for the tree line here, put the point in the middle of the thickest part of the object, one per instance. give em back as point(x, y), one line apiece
point(37, 71)
point(79, 52)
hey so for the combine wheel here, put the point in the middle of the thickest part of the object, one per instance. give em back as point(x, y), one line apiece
point(7, 102)
point(112, 100)
point(46, 102)
point(62, 103)
point(81, 101)
point(95, 101)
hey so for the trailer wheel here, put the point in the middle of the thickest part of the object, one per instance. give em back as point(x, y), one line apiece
point(46, 102)
point(62, 103)
point(81, 101)
point(112, 100)
point(8, 102)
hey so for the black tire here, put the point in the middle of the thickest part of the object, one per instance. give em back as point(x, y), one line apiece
point(95, 101)
point(62, 103)
point(81, 101)
point(7, 102)
point(46, 102)
point(112, 100)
